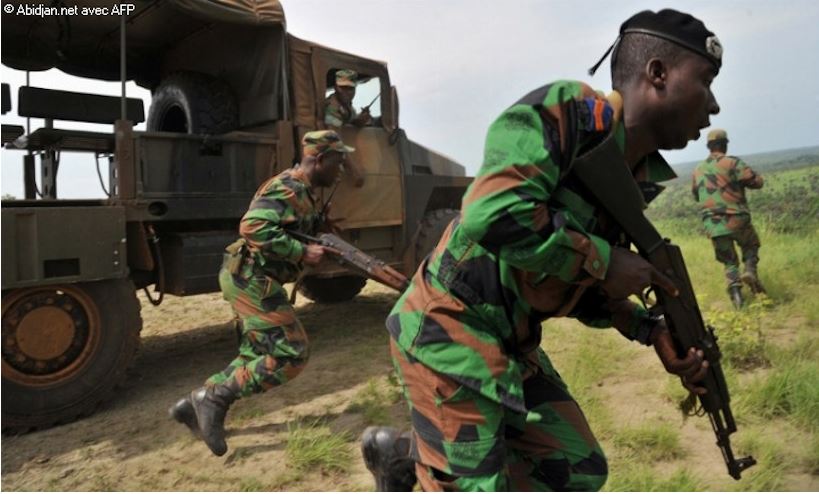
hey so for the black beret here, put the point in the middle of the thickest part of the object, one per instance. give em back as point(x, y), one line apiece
point(678, 27)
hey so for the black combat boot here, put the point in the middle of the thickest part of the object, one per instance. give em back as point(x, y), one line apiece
point(210, 405)
point(735, 292)
point(184, 413)
point(750, 278)
point(387, 456)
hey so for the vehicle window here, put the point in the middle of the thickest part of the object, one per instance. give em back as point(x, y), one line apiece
point(366, 91)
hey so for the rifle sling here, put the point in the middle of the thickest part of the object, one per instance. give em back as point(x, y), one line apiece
point(605, 174)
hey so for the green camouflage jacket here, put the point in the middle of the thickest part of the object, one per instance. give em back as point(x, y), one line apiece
point(336, 114)
point(718, 185)
point(523, 250)
point(282, 203)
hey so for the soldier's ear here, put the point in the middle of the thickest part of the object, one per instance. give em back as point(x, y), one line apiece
point(656, 72)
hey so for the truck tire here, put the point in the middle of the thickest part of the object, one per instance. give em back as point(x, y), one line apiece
point(193, 103)
point(65, 348)
point(331, 290)
point(432, 227)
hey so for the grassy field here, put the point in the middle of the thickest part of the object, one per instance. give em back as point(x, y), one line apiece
point(771, 359)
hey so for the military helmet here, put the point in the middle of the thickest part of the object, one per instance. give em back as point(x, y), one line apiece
point(346, 77)
point(320, 141)
point(717, 135)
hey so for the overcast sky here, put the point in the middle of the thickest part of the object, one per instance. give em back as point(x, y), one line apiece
point(458, 63)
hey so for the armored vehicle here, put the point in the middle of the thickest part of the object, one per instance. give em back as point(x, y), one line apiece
point(232, 94)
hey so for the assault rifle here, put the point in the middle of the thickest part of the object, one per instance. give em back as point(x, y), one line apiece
point(612, 186)
point(349, 255)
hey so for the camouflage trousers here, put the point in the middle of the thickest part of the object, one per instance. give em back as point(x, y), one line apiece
point(748, 242)
point(464, 441)
point(273, 348)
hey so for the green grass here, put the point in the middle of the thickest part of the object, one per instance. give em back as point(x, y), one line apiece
point(634, 477)
point(790, 390)
point(251, 484)
point(739, 333)
point(769, 472)
point(373, 403)
point(315, 446)
point(650, 442)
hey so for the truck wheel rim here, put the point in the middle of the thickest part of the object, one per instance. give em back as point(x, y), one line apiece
point(48, 334)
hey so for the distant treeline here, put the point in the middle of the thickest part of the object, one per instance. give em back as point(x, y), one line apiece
point(788, 203)
point(786, 159)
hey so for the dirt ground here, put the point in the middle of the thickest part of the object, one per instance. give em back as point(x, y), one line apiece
point(130, 444)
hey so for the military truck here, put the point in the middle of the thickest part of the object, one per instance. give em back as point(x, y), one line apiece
point(232, 94)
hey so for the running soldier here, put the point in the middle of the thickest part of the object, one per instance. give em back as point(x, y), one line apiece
point(489, 411)
point(273, 348)
point(718, 186)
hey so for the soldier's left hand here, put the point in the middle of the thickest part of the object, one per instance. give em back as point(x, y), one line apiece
point(313, 254)
point(692, 368)
point(364, 118)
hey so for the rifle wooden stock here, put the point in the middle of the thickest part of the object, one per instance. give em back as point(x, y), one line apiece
point(609, 183)
point(347, 254)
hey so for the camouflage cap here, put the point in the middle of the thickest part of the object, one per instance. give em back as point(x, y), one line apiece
point(346, 77)
point(717, 135)
point(320, 141)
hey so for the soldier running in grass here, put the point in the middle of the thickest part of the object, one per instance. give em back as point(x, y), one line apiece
point(489, 411)
point(273, 348)
point(718, 185)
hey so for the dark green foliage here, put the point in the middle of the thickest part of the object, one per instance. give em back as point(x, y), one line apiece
point(788, 203)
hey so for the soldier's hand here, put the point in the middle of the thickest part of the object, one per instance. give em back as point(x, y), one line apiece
point(364, 117)
point(691, 369)
point(630, 274)
point(313, 254)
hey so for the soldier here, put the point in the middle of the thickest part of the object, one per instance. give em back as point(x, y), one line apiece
point(718, 186)
point(273, 348)
point(489, 411)
point(338, 107)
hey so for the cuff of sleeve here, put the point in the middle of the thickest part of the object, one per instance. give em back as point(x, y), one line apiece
point(597, 259)
point(642, 324)
point(296, 251)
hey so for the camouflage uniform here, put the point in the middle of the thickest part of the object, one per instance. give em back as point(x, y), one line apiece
point(273, 344)
point(336, 113)
point(273, 348)
point(489, 411)
point(718, 186)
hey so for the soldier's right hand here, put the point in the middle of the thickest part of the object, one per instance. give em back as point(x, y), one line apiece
point(313, 254)
point(630, 274)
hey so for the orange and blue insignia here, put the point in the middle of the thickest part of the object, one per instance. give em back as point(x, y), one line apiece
point(600, 114)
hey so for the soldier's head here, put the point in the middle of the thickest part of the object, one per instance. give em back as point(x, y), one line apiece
point(718, 141)
point(323, 157)
point(663, 64)
point(346, 81)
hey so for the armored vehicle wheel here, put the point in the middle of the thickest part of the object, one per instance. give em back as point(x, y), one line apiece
point(432, 227)
point(193, 103)
point(65, 348)
point(332, 290)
